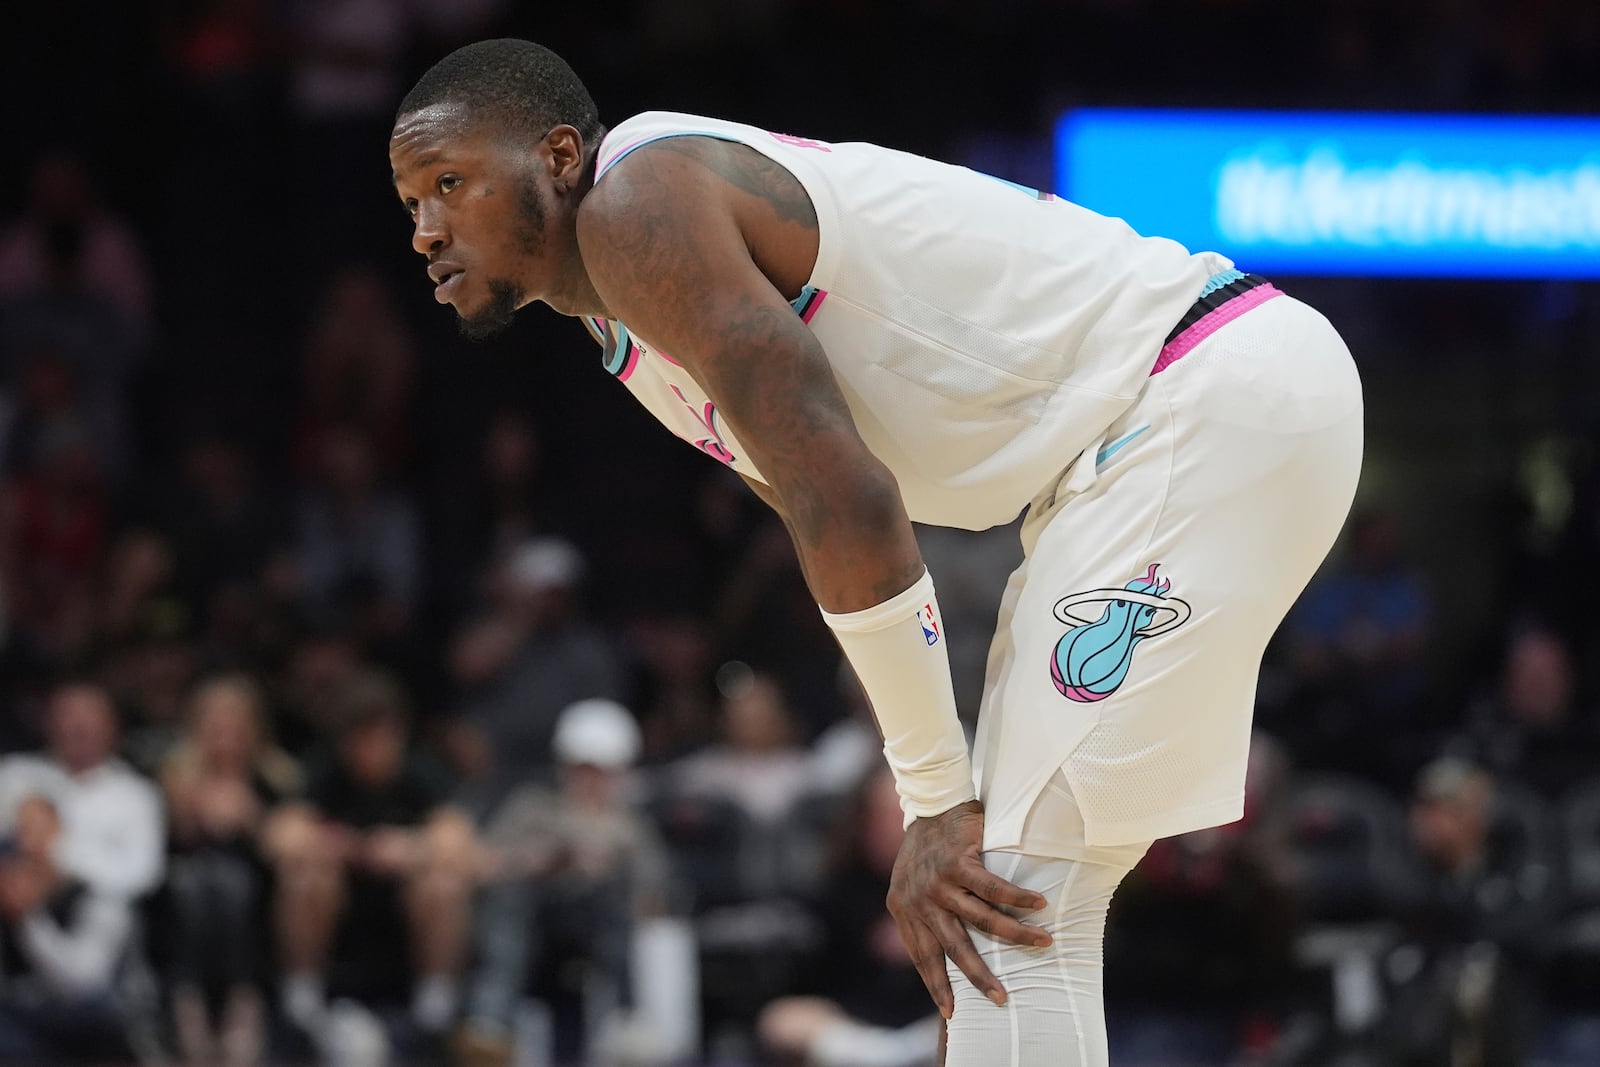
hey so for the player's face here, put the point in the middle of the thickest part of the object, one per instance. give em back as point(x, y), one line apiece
point(482, 213)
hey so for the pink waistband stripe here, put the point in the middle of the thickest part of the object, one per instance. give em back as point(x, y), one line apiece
point(1185, 342)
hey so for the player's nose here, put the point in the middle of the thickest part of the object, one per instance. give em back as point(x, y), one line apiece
point(429, 235)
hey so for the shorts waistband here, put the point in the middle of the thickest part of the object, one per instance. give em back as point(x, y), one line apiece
point(1226, 296)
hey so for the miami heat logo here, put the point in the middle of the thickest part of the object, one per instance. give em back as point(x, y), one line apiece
point(1092, 658)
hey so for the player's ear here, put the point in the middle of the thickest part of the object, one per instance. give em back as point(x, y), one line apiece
point(564, 145)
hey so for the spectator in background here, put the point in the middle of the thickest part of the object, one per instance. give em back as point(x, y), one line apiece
point(572, 869)
point(375, 870)
point(1199, 946)
point(764, 614)
point(138, 586)
point(321, 663)
point(863, 1004)
point(113, 835)
point(359, 543)
point(517, 665)
point(757, 763)
point(148, 653)
point(1477, 923)
point(843, 753)
point(222, 784)
point(61, 944)
point(671, 656)
point(359, 371)
point(1529, 729)
point(507, 505)
point(53, 531)
point(972, 569)
point(345, 64)
point(1356, 638)
point(71, 283)
point(223, 528)
point(109, 262)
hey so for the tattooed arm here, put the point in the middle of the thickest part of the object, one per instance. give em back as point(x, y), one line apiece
point(697, 245)
point(689, 244)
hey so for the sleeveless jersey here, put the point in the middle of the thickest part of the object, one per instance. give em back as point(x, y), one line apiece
point(983, 334)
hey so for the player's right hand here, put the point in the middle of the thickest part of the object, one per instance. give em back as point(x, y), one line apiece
point(939, 884)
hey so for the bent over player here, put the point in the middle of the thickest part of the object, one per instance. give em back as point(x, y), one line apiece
point(872, 338)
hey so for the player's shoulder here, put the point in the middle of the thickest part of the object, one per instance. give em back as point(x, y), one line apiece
point(626, 177)
point(638, 130)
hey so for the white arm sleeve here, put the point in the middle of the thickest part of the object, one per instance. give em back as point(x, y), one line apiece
point(898, 651)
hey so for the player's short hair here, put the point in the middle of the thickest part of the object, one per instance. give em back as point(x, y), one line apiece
point(520, 86)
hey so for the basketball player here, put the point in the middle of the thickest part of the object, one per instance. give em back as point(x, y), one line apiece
point(872, 338)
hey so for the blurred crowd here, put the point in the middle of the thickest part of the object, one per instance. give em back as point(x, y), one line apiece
point(365, 695)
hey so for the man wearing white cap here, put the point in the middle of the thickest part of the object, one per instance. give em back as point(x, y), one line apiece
point(573, 869)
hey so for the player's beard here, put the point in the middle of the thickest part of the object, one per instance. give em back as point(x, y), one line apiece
point(495, 317)
point(505, 296)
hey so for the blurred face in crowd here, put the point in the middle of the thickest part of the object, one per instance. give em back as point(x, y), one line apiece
point(589, 785)
point(319, 669)
point(82, 728)
point(373, 751)
point(226, 725)
point(756, 716)
point(37, 828)
point(1451, 827)
point(493, 214)
point(1538, 679)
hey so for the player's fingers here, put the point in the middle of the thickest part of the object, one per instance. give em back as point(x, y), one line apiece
point(983, 882)
point(996, 923)
point(928, 957)
point(958, 946)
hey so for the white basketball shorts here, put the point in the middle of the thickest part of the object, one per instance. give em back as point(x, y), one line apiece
point(1155, 572)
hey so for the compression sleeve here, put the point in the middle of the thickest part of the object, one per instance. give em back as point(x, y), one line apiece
point(898, 651)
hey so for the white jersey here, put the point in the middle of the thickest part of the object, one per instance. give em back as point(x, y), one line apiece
point(983, 334)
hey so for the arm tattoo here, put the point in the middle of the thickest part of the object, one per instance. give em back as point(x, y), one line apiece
point(745, 168)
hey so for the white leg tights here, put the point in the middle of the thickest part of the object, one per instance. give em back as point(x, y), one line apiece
point(1054, 1015)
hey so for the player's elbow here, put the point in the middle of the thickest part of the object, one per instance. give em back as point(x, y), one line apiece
point(854, 503)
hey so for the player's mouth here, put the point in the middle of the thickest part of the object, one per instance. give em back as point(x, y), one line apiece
point(445, 291)
point(447, 280)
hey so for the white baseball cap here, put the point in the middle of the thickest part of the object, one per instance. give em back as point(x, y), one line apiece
point(598, 732)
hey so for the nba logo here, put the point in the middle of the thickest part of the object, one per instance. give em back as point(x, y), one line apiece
point(930, 625)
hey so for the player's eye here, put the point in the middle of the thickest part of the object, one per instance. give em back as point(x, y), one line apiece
point(448, 182)
point(409, 206)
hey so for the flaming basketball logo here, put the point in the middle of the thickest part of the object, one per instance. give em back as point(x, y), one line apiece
point(1093, 657)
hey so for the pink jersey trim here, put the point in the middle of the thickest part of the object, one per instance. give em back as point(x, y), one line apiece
point(811, 307)
point(630, 364)
point(601, 166)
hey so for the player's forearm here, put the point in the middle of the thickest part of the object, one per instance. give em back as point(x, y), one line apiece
point(892, 634)
point(853, 537)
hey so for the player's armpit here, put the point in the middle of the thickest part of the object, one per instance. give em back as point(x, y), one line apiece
point(764, 491)
point(667, 255)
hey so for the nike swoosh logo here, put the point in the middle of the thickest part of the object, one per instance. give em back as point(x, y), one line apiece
point(1116, 446)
